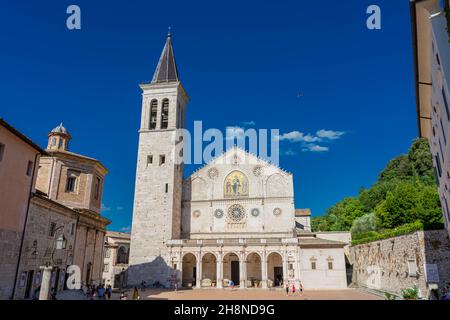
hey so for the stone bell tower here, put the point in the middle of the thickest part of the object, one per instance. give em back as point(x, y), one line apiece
point(157, 198)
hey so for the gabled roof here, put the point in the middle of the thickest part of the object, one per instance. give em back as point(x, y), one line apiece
point(166, 70)
point(241, 153)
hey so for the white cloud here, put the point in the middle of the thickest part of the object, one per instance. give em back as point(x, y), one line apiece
point(289, 152)
point(329, 134)
point(315, 148)
point(105, 208)
point(248, 123)
point(119, 208)
point(126, 229)
point(297, 136)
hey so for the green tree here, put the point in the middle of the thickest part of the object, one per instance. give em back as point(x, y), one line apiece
point(398, 168)
point(364, 224)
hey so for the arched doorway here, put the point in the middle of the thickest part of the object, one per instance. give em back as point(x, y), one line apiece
point(209, 270)
point(274, 270)
point(189, 273)
point(231, 268)
point(254, 270)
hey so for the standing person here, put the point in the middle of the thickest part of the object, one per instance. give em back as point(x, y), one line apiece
point(109, 291)
point(36, 293)
point(301, 289)
point(136, 294)
point(231, 284)
point(287, 289)
point(176, 286)
point(101, 292)
point(293, 290)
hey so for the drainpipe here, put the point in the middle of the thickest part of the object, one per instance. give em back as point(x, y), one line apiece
point(25, 225)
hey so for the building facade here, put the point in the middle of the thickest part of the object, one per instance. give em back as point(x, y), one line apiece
point(19, 159)
point(232, 220)
point(59, 209)
point(115, 262)
point(432, 80)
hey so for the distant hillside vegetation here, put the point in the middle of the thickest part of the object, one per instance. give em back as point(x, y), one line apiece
point(405, 193)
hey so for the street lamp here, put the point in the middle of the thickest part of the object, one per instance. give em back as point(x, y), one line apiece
point(61, 242)
point(58, 244)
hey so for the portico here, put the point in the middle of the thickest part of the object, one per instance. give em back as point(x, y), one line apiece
point(250, 265)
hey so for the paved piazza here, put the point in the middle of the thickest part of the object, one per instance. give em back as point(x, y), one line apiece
point(237, 294)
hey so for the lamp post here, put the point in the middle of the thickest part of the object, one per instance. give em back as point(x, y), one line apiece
point(48, 267)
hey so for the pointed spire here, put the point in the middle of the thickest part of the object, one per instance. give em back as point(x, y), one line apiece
point(166, 71)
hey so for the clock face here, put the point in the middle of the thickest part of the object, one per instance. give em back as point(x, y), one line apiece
point(236, 213)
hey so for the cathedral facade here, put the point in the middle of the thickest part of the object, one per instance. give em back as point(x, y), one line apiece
point(233, 221)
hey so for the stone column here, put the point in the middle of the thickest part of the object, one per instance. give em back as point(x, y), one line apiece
point(219, 270)
point(264, 270)
point(242, 271)
point(45, 282)
point(297, 270)
point(199, 272)
point(180, 271)
point(285, 267)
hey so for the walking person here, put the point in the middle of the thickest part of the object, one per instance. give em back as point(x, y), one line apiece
point(176, 287)
point(287, 289)
point(293, 290)
point(300, 289)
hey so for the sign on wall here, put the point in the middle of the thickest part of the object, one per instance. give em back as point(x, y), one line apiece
point(431, 273)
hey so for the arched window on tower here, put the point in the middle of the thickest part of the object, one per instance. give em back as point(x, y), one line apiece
point(165, 114)
point(153, 114)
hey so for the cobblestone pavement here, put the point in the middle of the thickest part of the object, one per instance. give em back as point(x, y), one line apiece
point(237, 294)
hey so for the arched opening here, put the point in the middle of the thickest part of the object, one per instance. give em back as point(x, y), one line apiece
point(189, 273)
point(165, 114)
point(153, 114)
point(274, 270)
point(254, 270)
point(209, 270)
point(231, 269)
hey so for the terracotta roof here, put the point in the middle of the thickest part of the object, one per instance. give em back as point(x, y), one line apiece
point(302, 212)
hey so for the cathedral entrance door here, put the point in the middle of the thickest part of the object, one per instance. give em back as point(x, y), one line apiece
point(278, 275)
point(235, 272)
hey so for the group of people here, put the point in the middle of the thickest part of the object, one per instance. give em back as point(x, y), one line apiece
point(290, 288)
point(99, 292)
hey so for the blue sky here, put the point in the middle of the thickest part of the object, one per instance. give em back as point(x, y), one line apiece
point(293, 65)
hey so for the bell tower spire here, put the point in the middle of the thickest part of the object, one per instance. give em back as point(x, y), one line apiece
point(166, 70)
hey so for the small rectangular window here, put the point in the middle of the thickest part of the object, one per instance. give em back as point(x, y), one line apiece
point(52, 229)
point(106, 267)
point(71, 181)
point(445, 103)
point(167, 187)
point(162, 159)
point(2, 151)
point(30, 168)
point(72, 229)
point(313, 265)
point(149, 160)
point(438, 165)
point(330, 265)
point(443, 132)
point(97, 188)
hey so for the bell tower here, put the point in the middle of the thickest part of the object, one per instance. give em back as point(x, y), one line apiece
point(158, 187)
